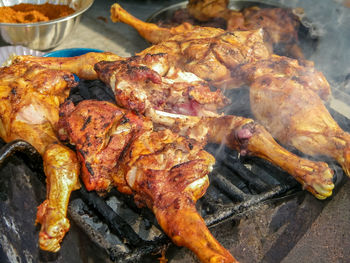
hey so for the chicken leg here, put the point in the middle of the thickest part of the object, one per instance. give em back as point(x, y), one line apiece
point(29, 101)
point(250, 138)
point(311, 129)
point(151, 32)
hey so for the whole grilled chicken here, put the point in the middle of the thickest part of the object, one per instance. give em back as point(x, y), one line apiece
point(29, 102)
point(279, 26)
point(163, 170)
point(192, 48)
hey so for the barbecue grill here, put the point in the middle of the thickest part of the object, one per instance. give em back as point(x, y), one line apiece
point(114, 229)
point(129, 234)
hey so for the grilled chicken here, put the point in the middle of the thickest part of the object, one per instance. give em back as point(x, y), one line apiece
point(208, 52)
point(151, 85)
point(29, 102)
point(291, 108)
point(156, 92)
point(163, 170)
point(189, 47)
point(280, 25)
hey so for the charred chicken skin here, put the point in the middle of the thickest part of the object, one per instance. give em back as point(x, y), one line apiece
point(29, 102)
point(164, 171)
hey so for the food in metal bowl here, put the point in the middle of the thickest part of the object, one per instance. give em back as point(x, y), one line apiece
point(43, 35)
point(30, 13)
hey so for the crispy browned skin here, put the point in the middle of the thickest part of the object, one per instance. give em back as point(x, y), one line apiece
point(98, 155)
point(203, 10)
point(212, 54)
point(303, 72)
point(29, 101)
point(280, 25)
point(285, 94)
point(164, 171)
point(311, 128)
point(80, 65)
point(135, 84)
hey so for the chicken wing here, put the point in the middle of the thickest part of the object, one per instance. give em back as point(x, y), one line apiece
point(29, 102)
point(163, 170)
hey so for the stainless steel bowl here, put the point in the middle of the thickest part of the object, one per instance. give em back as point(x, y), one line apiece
point(43, 35)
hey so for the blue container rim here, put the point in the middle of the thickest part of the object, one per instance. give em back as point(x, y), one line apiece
point(70, 52)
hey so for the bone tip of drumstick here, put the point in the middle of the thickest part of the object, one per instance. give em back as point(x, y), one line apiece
point(115, 10)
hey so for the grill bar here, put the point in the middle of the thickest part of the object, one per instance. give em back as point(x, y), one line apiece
point(115, 222)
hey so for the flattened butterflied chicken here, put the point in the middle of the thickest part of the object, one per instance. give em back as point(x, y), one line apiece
point(29, 103)
point(163, 170)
